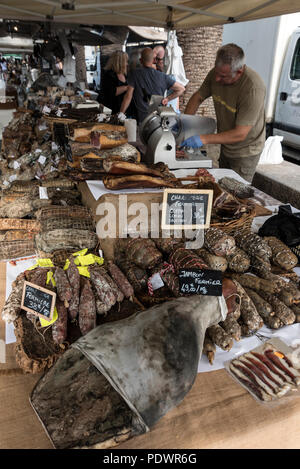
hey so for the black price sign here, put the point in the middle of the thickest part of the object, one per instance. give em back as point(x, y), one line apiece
point(186, 209)
point(38, 300)
point(200, 282)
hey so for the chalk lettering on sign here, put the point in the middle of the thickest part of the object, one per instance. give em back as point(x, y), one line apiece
point(201, 282)
point(186, 209)
point(38, 300)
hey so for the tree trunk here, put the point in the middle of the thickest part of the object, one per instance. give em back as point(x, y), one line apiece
point(80, 64)
point(199, 47)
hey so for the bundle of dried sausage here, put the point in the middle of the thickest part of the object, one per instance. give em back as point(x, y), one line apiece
point(232, 327)
point(229, 291)
point(60, 326)
point(74, 280)
point(283, 312)
point(137, 276)
point(217, 242)
point(214, 262)
point(249, 315)
point(254, 245)
point(255, 283)
point(238, 261)
point(120, 280)
point(209, 349)
point(219, 337)
point(63, 286)
point(116, 290)
point(102, 287)
point(167, 245)
point(281, 254)
point(12, 306)
point(183, 258)
point(87, 307)
point(143, 252)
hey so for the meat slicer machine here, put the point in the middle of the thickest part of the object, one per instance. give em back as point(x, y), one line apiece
point(163, 130)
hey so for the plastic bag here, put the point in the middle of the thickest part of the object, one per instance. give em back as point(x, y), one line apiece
point(272, 152)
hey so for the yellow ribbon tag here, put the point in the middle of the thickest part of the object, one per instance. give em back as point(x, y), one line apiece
point(89, 260)
point(50, 278)
point(80, 253)
point(83, 270)
point(83, 261)
point(42, 263)
point(45, 323)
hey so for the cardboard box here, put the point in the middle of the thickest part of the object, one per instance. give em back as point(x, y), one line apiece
point(132, 213)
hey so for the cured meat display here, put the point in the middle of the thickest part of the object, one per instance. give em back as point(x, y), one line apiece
point(267, 373)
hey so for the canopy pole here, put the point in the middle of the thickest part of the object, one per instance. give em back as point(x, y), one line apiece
point(169, 23)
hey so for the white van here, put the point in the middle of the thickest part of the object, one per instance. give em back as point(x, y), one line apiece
point(93, 72)
point(272, 49)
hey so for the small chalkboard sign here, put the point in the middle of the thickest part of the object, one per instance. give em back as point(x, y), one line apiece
point(200, 282)
point(186, 208)
point(38, 300)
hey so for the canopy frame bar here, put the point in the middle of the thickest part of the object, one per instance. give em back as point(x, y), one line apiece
point(22, 10)
point(185, 8)
point(253, 10)
point(108, 12)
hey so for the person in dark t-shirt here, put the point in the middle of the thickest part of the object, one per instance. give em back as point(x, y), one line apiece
point(145, 82)
point(115, 84)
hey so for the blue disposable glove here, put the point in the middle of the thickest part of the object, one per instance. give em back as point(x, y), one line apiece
point(192, 142)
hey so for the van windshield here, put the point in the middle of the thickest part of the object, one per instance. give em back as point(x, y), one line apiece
point(295, 69)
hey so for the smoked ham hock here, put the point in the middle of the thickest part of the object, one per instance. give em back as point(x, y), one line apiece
point(119, 379)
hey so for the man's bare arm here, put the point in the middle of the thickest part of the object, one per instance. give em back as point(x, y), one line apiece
point(193, 104)
point(178, 90)
point(127, 99)
point(238, 134)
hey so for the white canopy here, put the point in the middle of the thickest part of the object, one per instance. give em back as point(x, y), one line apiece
point(161, 13)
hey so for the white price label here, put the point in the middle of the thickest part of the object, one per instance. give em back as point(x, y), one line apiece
point(46, 110)
point(43, 192)
point(12, 178)
point(156, 281)
point(42, 159)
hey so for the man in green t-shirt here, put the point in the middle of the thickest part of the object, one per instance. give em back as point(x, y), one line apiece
point(238, 94)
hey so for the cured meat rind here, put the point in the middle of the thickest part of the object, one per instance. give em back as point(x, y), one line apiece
point(102, 287)
point(281, 254)
point(217, 242)
point(120, 280)
point(60, 326)
point(219, 337)
point(63, 287)
point(74, 280)
point(87, 308)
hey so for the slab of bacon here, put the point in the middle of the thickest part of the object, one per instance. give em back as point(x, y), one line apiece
point(268, 374)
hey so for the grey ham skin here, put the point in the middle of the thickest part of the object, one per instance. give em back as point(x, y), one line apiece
point(258, 373)
point(269, 365)
point(276, 361)
point(264, 369)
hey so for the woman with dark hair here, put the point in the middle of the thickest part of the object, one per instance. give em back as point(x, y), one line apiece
point(114, 83)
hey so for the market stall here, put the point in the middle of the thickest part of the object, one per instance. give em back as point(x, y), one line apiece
point(158, 331)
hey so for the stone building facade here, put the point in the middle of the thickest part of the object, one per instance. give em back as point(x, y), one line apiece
point(199, 47)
